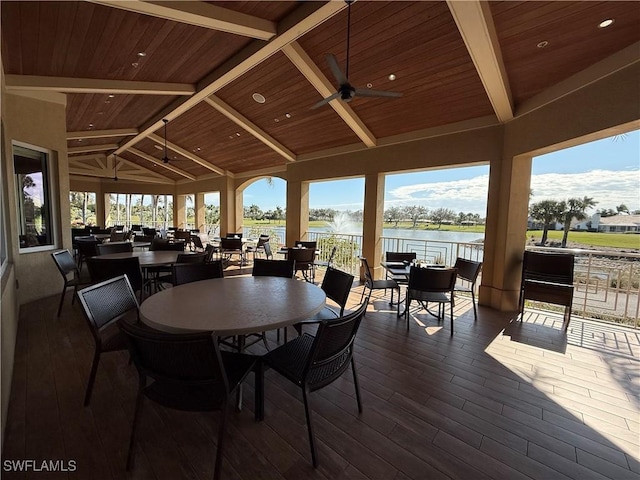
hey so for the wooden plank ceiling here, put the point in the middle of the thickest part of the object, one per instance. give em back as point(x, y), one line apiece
point(127, 65)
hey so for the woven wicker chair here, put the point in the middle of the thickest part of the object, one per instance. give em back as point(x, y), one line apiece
point(66, 266)
point(104, 304)
point(186, 372)
point(312, 363)
point(431, 285)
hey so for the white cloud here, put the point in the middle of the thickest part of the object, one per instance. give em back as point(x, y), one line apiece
point(469, 195)
point(607, 187)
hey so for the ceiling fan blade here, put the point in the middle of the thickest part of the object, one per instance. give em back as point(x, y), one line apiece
point(324, 101)
point(367, 92)
point(335, 69)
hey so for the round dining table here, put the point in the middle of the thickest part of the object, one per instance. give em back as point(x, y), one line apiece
point(154, 258)
point(233, 306)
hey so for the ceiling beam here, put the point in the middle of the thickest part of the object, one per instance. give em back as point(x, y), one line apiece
point(185, 153)
point(102, 166)
point(305, 18)
point(201, 14)
point(314, 75)
point(160, 163)
point(242, 121)
point(120, 132)
point(91, 148)
point(94, 85)
point(476, 27)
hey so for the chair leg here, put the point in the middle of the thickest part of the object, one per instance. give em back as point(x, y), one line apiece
point(134, 428)
point(307, 411)
point(92, 377)
point(355, 383)
point(64, 291)
point(475, 310)
point(406, 309)
point(75, 293)
point(217, 469)
point(451, 306)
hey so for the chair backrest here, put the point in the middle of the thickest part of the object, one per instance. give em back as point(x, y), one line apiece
point(117, 247)
point(182, 235)
point(194, 272)
point(548, 267)
point(162, 244)
point(468, 270)
point(106, 302)
point(432, 279)
point(267, 250)
point(231, 243)
point(307, 244)
point(87, 246)
point(336, 284)
point(233, 235)
point(333, 344)
point(192, 358)
point(272, 268)
point(400, 256)
point(149, 231)
point(144, 238)
point(368, 276)
point(191, 257)
point(262, 240)
point(209, 250)
point(197, 241)
point(65, 263)
point(303, 257)
point(103, 269)
point(117, 236)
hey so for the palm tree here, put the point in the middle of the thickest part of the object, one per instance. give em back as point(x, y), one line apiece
point(576, 208)
point(545, 212)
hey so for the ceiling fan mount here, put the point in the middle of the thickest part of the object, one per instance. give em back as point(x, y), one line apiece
point(346, 92)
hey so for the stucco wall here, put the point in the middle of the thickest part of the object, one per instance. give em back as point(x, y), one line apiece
point(40, 122)
point(8, 331)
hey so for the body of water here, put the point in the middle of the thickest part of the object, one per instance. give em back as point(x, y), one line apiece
point(434, 235)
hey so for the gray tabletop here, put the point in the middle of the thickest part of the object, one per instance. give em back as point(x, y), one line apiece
point(233, 306)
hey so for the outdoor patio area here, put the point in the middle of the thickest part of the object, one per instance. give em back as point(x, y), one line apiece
point(498, 399)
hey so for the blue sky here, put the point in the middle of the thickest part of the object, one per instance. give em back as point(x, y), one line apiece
point(607, 170)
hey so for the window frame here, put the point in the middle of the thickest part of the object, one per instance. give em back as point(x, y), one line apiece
point(50, 193)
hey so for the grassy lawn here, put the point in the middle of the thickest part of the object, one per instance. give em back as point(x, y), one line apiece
point(614, 240)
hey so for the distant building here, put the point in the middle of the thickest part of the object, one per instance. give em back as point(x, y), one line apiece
point(613, 224)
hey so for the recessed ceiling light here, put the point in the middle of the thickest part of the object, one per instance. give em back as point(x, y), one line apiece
point(392, 77)
point(288, 115)
point(142, 54)
point(91, 125)
point(606, 23)
point(79, 140)
point(369, 85)
point(158, 147)
point(231, 137)
point(542, 44)
point(237, 134)
point(198, 148)
point(111, 95)
point(259, 98)
point(276, 120)
point(107, 101)
point(135, 64)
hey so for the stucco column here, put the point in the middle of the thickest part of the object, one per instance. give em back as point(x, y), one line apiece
point(200, 210)
point(179, 211)
point(373, 217)
point(230, 220)
point(103, 205)
point(297, 211)
point(505, 233)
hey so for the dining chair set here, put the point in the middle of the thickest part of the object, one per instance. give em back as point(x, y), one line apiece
point(433, 284)
point(191, 371)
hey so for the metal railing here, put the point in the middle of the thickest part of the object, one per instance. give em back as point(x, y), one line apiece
point(607, 284)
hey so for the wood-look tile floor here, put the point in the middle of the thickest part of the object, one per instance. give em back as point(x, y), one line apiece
point(500, 399)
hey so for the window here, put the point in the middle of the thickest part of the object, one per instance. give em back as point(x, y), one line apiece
point(31, 167)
